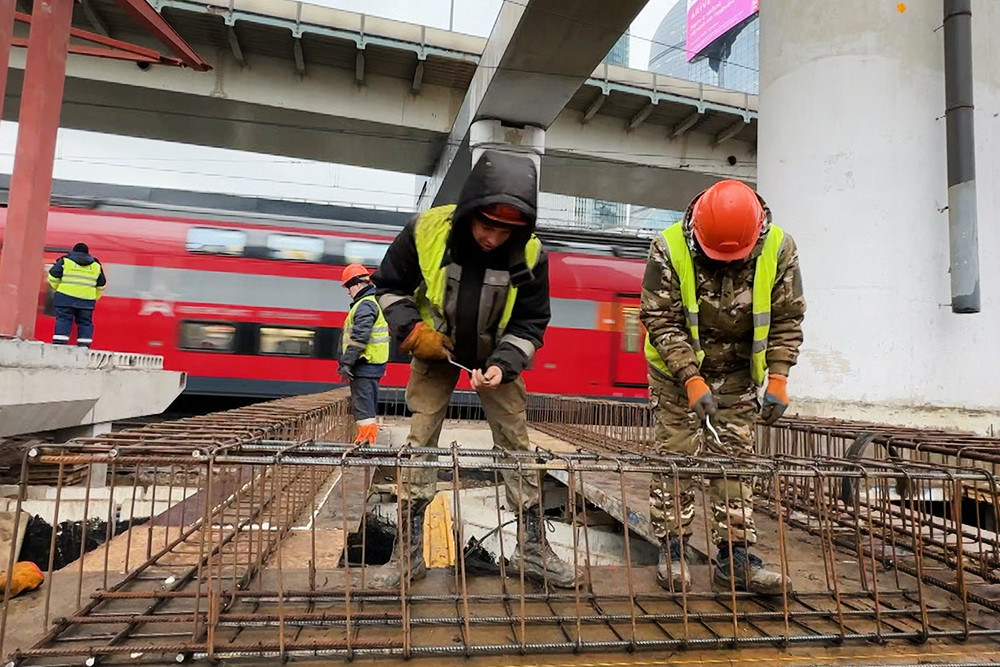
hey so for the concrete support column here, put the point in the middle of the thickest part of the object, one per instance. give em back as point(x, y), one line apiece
point(852, 160)
point(99, 471)
point(31, 181)
point(528, 142)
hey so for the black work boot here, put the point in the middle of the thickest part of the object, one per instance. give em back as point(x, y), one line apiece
point(748, 573)
point(540, 562)
point(389, 575)
point(673, 572)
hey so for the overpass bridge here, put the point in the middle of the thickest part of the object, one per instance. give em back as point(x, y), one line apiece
point(303, 81)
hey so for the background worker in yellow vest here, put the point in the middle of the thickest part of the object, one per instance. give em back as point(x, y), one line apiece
point(78, 280)
point(364, 350)
point(471, 282)
point(723, 306)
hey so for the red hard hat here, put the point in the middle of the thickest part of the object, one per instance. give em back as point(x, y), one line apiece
point(352, 271)
point(504, 214)
point(727, 220)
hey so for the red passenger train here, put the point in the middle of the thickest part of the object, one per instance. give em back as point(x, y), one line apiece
point(244, 294)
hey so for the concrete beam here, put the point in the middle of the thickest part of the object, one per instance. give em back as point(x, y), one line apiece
point(300, 59)
point(644, 166)
point(538, 55)
point(729, 132)
point(234, 46)
point(47, 387)
point(595, 106)
point(418, 77)
point(94, 18)
point(685, 124)
point(640, 117)
point(324, 116)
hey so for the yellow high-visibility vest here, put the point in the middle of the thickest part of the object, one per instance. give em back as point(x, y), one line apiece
point(765, 273)
point(377, 349)
point(432, 230)
point(77, 280)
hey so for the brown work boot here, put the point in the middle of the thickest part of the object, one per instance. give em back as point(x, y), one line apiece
point(673, 572)
point(540, 561)
point(748, 573)
point(389, 575)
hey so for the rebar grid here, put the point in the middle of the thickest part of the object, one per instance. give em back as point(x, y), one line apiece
point(252, 565)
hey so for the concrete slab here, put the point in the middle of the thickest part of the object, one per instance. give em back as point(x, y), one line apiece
point(45, 387)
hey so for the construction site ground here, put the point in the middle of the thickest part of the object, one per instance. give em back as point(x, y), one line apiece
point(807, 567)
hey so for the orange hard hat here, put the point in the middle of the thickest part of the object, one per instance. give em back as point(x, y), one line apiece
point(352, 271)
point(727, 220)
point(504, 214)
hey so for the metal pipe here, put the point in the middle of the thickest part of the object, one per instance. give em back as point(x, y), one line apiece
point(963, 235)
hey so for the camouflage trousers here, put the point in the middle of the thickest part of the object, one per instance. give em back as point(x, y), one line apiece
point(677, 430)
point(427, 395)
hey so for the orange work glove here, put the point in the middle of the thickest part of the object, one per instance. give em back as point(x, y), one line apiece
point(700, 398)
point(426, 343)
point(27, 577)
point(775, 398)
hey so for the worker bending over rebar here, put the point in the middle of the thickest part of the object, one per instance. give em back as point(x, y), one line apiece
point(722, 303)
point(467, 286)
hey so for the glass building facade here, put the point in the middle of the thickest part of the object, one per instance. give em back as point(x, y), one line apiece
point(732, 61)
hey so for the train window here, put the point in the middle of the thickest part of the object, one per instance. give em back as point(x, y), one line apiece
point(216, 241)
point(281, 340)
point(295, 246)
point(364, 252)
point(631, 329)
point(208, 336)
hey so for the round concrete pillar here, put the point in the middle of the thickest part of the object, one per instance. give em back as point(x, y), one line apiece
point(852, 161)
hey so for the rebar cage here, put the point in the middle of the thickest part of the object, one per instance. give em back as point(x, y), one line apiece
point(258, 543)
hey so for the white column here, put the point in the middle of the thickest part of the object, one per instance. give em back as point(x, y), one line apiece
point(852, 162)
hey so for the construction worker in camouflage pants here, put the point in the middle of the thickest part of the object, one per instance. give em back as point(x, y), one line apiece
point(722, 303)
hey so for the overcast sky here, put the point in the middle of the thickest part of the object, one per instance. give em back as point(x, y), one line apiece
point(91, 156)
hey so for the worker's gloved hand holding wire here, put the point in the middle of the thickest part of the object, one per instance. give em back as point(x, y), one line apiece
point(700, 398)
point(426, 343)
point(775, 398)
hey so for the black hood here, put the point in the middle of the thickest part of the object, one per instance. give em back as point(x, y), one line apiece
point(81, 258)
point(499, 178)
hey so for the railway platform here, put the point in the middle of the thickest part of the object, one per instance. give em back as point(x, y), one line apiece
point(57, 387)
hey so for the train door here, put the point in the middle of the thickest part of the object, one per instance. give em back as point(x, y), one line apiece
point(628, 365)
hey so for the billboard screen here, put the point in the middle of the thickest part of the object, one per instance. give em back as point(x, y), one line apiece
point(707, 20)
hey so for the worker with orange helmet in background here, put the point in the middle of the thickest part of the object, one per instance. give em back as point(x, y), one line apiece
point(722, 303)
point(364, 350)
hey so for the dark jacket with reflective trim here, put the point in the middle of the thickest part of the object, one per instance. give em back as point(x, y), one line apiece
point(725, 317)
point(64, 300)
point(498, 180)
point(364, 319)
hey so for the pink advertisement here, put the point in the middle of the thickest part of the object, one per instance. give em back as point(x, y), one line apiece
point(707, 20)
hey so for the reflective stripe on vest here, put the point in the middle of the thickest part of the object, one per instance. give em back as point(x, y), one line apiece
point(431, 234)
point(377, 349)
point(79, 281)
point(765, 272)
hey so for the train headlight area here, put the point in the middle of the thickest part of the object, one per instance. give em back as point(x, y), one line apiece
point(262, 534)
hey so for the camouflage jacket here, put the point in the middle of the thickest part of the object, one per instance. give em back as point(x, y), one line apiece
point(725, 318)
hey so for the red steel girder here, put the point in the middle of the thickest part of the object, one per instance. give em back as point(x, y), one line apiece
point(158, 27)
point(31, 182)
point(133, 52)
point(7, 12)
point(114, 54)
